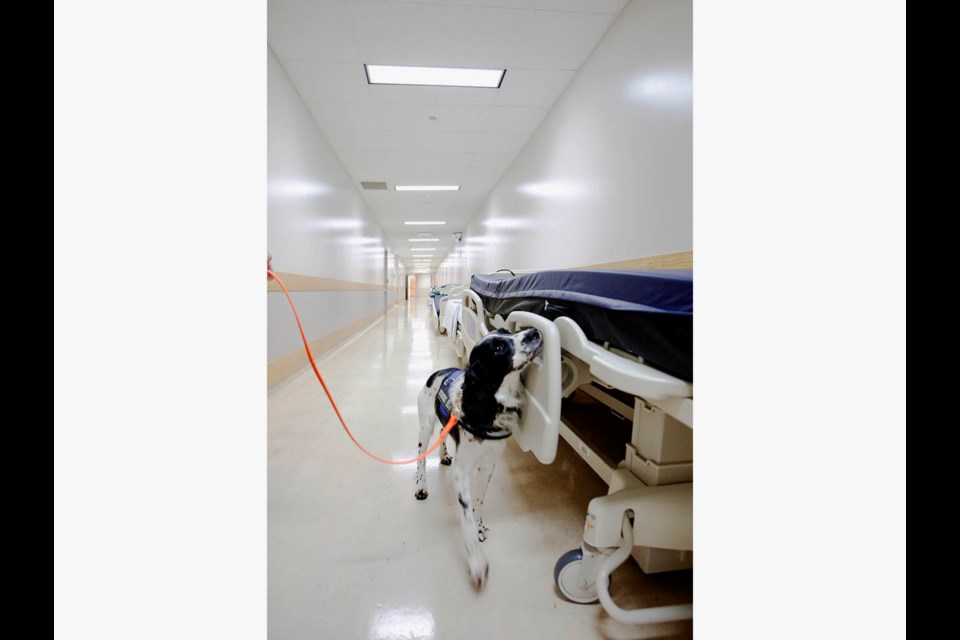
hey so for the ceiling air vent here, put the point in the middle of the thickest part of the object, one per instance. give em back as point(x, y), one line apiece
point(381, 186)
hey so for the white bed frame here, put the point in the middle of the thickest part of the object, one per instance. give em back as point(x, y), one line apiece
point(652, 484)
point(448, 292)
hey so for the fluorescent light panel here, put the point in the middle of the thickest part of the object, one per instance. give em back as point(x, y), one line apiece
point(427, 187)
point(434, 76)
point(423, 239)
point(424, 222)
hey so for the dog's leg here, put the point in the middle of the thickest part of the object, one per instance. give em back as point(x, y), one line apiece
point(468, 458)
point(488, 462)
point(427, 423)
point(445, 457)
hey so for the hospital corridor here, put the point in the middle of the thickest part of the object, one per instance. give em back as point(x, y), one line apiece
point(441, 176)
point(479, 319)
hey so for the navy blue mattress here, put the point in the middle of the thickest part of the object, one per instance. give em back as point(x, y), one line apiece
point(647, 313)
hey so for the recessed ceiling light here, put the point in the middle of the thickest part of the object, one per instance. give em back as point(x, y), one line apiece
point(424, 222)
point(422, 249)
point(434, 76)
point(425, 233)
point(427, 187)
point(424, 239)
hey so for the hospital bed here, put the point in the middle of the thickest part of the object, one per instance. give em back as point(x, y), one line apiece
point(440, 297)
point(616, 383)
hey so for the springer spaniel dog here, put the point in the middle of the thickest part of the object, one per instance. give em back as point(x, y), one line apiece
point(487, 397)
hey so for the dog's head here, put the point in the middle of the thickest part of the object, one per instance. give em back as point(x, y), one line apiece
point(496, 356)
point(500, 353)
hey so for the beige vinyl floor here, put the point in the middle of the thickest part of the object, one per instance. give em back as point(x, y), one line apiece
point(352, 553)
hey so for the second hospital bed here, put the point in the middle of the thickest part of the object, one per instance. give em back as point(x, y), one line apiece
point(620, 342)
point(445, 305)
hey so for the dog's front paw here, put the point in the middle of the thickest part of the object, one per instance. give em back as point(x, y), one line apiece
point(446, 461)
point(482, 532)
point(479, 569)
point(421, 494)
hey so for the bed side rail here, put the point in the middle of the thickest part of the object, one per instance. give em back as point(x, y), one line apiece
point(619, 372)
point(539, 430)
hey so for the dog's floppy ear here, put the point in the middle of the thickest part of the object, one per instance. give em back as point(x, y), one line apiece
point(478, 400)
point(474, 356)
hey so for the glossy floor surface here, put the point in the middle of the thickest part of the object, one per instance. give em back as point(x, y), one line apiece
point(352, 553)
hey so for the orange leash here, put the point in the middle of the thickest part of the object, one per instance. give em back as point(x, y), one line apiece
point(451, 423)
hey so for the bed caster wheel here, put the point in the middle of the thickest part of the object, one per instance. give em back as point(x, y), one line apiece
point(567, 575)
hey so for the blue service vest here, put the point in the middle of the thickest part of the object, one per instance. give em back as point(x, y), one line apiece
point(444, 402)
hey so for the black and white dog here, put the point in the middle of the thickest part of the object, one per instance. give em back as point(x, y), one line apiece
point(488, 398)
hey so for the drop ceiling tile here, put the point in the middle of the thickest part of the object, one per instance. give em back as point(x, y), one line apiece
point(446, 141)
point(324, 80)
point(390, 116)
point(424, 172)
point(436, 34)
point(502, 142)
point(457, 117)
point(416, 117)
point(584, 6)
point(505, 4)
point(533, 87)
point(559, 40)
point(366, 118)
point(374, 159)
point(484, 159)
point(311, 30)
point(340, 115)
point(371, 140)
point(440, 159)
point(396, 140)
point(482, 178)
point(343, 140)
point(465, 95)
point(433, 95)
point(515, 119)
point(402, 94)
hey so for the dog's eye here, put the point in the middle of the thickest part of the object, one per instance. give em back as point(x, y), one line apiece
point(499, 348)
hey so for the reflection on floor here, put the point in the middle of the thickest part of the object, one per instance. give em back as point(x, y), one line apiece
point(352, 554)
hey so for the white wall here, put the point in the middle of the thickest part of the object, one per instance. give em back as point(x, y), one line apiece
point(317, 224)
point(608, 174)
